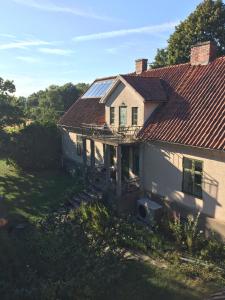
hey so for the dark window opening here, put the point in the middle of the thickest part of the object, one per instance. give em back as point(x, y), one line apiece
point(134, 120)
point(112, 115)
point(79, 145)
point(135, 161)
point(192, 177)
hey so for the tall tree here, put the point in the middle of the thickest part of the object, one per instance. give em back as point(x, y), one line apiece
point(50, 104)
point(10, 112)
point(206, 23)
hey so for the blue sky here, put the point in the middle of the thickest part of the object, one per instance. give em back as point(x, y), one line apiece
point(45, 42)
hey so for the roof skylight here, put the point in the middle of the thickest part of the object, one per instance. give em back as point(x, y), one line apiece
point(98, 89)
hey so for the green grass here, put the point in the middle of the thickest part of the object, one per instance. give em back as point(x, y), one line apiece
point(28, 197)
point(144, 281)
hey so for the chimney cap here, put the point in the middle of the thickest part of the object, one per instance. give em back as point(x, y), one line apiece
point(141, 59)
point(203, 43)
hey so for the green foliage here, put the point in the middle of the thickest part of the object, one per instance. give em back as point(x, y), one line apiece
point(10, 113)
point(176, 228)
point(213, 249)
point(185, 233)
point(75, 256)
point(48, 105)
point(36, 147)
point(204, 24)
point(190, 231)
point(161, 59)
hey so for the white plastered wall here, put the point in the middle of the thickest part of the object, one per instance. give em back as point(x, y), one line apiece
point(124, 94)
point(163, 175)
point(69, 145)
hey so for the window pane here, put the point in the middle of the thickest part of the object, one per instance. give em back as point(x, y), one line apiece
point(198, 190)
point(198, 166)
point(198, 178)
point(187, 182)
point(98, 89)
point(123, 116)
point(112, 115)
point(187, 163)
point(134, 115)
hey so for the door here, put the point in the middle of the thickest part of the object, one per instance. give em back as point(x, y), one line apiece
point(123, 116)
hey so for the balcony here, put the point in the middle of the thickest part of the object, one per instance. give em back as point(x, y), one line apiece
point(118, 135)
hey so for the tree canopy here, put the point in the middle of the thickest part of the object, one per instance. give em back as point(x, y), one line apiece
point(206, 23)
point(50, 104)
point(11, 110)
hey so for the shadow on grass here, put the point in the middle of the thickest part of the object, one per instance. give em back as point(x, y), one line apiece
point(144, 281)
point(31, 196)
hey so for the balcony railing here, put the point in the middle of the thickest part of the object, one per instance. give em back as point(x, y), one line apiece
point(120, 134)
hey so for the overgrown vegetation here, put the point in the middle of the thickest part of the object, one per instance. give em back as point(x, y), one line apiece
point(204, 24)
point(89, 253)
point(36, 147)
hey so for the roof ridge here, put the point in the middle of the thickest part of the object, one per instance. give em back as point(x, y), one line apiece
point(105, 78)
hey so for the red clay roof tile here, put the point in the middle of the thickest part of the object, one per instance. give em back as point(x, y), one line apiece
point(195, 112)
point(150, 88)
point(88, 111)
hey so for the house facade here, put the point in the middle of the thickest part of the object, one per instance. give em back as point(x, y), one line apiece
point(156, 131)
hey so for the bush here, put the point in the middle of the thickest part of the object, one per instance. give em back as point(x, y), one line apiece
point(36, 147)
point(4, 143)
point(185, 233)
point(73, 256)
point(214, 250)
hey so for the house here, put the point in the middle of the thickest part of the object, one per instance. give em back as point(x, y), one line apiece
point(159, 131)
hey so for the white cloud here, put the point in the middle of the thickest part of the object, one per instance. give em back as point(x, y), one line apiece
point(7, 35)
point(153, 29)
point(56, 51)
point(51, 7)
point(28, 59)
point(23, 44)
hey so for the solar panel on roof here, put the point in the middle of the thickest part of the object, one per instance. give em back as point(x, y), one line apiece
point(98, 89)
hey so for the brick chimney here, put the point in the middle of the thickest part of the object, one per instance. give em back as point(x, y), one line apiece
point(203, 53)
point(141, 65)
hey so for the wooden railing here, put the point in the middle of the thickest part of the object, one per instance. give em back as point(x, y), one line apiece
point(128, 133)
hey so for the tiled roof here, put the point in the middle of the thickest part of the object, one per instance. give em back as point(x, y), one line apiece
point(195, 112)
point(87, 111)
point(150, 88)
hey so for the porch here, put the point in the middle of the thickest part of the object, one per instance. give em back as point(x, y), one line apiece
point(119, 172)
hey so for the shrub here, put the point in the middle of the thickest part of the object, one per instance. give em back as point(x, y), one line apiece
point(213, 249)
point(191, 234)
point(176, 228)
point(73, 256)
point(36, 147)
point(185, 233)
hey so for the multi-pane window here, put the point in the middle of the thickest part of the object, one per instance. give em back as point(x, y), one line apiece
point(122, 116)
point(112, 115)
point(79, 145)
point(192, 177)
point(134, 115)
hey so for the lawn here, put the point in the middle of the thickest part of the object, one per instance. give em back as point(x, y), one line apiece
point(28, 197)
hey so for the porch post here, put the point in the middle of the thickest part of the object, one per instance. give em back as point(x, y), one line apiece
point(92, 153)
point(141, 164)
point(84, 152)
point(118, 171)
point(107, 162)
